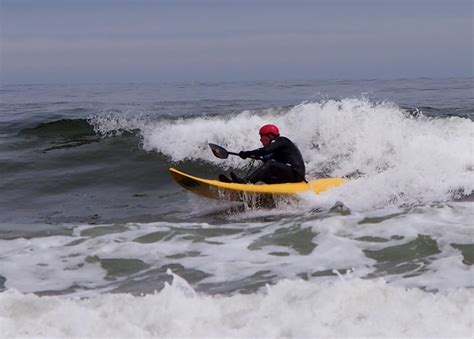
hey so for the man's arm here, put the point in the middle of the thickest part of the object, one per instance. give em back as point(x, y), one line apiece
point(260, 152)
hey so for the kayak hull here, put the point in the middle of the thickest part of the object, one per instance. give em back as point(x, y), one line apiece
point(215, 189)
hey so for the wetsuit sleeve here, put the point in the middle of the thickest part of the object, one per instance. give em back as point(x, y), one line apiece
point(269, 149)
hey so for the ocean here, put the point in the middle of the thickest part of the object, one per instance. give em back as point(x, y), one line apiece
point(97, 240)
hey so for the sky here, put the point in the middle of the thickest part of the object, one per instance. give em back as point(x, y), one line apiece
point(74, 41)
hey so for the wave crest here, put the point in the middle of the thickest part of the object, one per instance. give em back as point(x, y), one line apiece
point(399, 158)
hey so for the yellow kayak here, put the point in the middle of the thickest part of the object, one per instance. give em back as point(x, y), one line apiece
point(216, 189)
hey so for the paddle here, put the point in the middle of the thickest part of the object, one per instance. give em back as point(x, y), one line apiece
point(221, 152)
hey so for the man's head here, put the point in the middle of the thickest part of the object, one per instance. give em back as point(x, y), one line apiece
point(268, 133)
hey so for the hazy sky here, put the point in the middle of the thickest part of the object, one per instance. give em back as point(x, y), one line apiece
point(44, 41)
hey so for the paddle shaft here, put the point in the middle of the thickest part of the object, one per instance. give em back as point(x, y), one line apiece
point(255, 157)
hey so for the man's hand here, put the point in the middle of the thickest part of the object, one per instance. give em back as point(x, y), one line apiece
point(244, 154)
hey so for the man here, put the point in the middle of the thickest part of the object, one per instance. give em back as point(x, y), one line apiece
point(282, 160)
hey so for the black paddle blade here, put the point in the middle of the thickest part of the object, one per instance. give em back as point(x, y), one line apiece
point(219, 151)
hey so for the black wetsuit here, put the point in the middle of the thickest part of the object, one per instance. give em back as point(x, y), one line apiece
point(282, 163)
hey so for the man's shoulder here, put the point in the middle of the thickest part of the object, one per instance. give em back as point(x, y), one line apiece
point(283, 140)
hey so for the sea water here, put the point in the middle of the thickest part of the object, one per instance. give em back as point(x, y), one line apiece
point(96, 239)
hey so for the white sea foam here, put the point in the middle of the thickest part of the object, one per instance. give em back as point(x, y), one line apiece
point(404, 160)
point(56, 263)
point(345, 308)
point(323, 306)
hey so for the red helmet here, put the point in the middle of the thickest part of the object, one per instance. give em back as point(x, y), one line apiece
point(269, 129)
